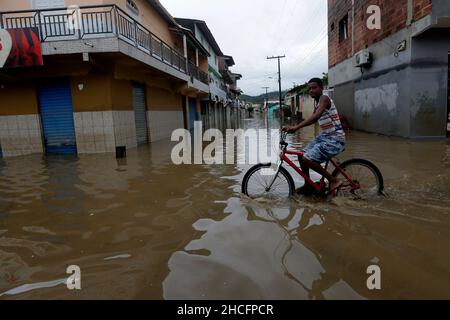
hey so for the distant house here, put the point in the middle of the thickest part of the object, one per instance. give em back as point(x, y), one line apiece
point(294, 100)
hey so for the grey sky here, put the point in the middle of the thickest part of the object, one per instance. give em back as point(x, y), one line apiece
point(251, 30)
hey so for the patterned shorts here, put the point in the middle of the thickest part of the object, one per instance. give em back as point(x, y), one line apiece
point(324, 148)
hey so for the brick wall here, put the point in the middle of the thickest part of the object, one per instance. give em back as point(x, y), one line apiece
point(393, 18)
point(422, 8)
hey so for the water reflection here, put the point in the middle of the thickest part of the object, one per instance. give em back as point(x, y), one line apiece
point(143, 228)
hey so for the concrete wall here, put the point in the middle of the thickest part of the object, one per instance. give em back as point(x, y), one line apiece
point(441, 10)
point(394, 17)
point(20, 126)
point(95, 132)
point(381, 104)
point(402, 95)
point(344, 98)
point(95, 94)
point(18, 98)
point(8, 5)
point(20, 135)
point(429, 80)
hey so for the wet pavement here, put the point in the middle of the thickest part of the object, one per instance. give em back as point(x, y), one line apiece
point(143, 228)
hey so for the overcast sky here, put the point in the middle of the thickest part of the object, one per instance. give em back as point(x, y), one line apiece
point(251, 30)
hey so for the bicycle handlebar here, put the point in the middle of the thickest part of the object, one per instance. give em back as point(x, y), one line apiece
point(283, 139)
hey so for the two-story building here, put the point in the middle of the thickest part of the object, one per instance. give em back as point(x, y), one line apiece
point(389, 65)
point(100, 75)
point(222, 87)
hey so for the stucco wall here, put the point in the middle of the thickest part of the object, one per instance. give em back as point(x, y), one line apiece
point(18, 98)
point(382, 104)
point(95, 94)
point(159, 99)
point(121, 95)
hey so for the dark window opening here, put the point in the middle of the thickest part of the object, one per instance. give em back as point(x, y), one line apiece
point(343, 29)
point(133, 6)
point(332, 26)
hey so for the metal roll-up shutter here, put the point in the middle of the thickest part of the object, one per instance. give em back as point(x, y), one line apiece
point(140, 112)
point(193, 116)
point(55, 104)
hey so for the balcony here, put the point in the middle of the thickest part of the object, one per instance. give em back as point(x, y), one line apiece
point(97, 22)
point(198, 74)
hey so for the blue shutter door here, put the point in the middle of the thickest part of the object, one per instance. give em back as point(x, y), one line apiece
point(192, 113)
point(55, 103)
point(140, 114)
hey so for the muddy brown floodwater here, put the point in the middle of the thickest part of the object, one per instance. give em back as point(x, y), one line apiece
point(145, 228)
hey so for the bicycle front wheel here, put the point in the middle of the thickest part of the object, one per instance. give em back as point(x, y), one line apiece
point(257, 183)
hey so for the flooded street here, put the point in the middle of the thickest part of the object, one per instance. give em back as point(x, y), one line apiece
point(143, 228)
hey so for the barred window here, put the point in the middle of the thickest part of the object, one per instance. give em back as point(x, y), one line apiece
point(132, 6)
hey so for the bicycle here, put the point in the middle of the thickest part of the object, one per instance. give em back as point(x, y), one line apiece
point(275, 182)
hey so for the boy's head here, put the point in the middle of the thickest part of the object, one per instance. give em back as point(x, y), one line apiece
point(315, 87)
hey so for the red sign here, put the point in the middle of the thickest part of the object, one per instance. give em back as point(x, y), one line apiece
point(20, 48)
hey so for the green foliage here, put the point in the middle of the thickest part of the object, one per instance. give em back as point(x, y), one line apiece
point(325, 79)
point(262, 97)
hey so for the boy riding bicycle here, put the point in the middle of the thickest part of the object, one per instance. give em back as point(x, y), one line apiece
point(329, 144)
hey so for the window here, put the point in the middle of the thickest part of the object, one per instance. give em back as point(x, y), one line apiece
point(343, 29)
point(132, 6)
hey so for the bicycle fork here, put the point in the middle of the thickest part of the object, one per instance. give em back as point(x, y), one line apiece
point(276, 176)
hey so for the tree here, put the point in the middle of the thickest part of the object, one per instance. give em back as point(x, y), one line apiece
point(325, 79)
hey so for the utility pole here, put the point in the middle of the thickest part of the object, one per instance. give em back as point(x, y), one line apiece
point(279, 85)
point(267, 96)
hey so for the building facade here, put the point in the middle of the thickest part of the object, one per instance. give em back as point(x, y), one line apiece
point(294, 99)
point(218, 109)
point(389, 65)
point(111, 75)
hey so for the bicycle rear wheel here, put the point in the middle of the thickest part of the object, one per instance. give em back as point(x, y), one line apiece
point(258, 179)
point(363, 173)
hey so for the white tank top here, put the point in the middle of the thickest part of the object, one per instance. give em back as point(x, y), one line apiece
point(330, 122)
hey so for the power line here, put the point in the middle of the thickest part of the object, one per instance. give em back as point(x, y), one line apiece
point(310, 50)
point(289, 22)
point(308, 29)
point(281, 15)
point(279, 85)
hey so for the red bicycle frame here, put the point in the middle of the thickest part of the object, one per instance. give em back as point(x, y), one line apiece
point(318, 187)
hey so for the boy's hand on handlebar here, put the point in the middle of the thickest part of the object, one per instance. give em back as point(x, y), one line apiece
point(290, 129)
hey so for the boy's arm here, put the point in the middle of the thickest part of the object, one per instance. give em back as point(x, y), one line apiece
point(324, 103)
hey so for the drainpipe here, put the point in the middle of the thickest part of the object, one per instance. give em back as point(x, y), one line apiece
point(196, 57)
point(185, 53)
point(353, 27)
point(410, 18)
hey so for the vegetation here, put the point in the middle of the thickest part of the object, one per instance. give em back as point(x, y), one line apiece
point(275, 95)
point(262, 97)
